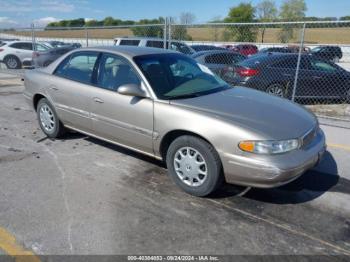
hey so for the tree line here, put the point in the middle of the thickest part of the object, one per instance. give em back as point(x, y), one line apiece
point(265, 11)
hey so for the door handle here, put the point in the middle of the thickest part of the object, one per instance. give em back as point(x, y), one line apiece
point(54, 88)
point(286, 74)
point(316, 77)
point(98, 100)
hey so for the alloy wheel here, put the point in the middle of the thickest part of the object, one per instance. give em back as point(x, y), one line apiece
point(276, 90)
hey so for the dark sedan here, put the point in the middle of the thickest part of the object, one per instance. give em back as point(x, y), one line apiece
point(199, 48)
point(45, 58)
point(275, 50)
point(275, 74)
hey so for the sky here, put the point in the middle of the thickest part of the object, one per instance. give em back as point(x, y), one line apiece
point(21, 13)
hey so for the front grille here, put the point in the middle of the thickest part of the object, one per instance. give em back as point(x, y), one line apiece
point(309, 137)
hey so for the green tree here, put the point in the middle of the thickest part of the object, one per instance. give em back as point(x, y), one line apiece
point(77, 22)
point(109, 21)
point(266, 12)
point(242, 13)
point(291, 10)
point(151, 30)
point(92, 22)
point(345, 18)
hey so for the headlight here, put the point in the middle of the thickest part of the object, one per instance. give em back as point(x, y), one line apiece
point(269, 147)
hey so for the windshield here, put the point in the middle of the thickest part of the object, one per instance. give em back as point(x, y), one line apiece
point(175, 76)
point(316, 49)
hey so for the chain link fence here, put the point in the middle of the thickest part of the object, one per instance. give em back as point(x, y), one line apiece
point(307, 62)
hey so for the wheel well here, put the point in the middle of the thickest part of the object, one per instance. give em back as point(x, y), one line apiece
point(171, 136)
point(7, 56)
point(36, 100)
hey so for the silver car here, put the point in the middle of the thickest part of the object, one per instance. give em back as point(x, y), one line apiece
point(46, 57)
point(165, 105)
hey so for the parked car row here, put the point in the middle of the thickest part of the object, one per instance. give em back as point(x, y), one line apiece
point(331, 53)
point(17, 54)
point(271, 69)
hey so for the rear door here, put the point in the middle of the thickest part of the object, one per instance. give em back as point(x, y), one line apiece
point(23, 50)
point(330, 81)
point(71, 91)
point(123, 119)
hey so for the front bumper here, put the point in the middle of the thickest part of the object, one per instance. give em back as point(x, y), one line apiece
point(267, 171)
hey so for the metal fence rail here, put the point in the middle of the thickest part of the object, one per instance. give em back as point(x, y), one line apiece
point(318, 78)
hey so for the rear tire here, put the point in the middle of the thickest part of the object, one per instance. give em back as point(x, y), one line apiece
point(336, 59)
point(48, 119)
point(276, 90)
point(12, 62)
point(194, 165)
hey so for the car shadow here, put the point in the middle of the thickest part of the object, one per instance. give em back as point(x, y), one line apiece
point(314, 183)
point(125, 151)
point(308, 187)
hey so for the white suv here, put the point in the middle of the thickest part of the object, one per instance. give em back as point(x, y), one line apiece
point(13, 54)
point(154, 42)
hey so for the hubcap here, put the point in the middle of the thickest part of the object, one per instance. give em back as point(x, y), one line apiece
point(190, 166)
point(275, 90)
point(12, 63)
point(47, 118)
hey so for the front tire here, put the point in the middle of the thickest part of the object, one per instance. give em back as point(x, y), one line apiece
point(48, 119)
point(194, 165)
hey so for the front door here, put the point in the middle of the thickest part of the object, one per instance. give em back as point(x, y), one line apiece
point(123, 119)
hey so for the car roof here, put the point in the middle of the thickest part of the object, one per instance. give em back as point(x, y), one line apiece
point(130, 51)
point(262, 58)
point(212, 52)
point(138, 38)
point(11, 42)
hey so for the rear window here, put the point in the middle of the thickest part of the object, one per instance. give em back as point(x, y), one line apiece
point(78, 67)
point(157, 44)
point(223, 59)
point(23, 46)
point(129, 42)
point(256, 60)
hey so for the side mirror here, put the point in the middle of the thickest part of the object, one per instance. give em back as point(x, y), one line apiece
point(131, 90)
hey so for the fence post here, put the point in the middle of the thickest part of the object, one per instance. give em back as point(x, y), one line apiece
point(87, 36)
point(165, 31)
point(301, 49)
point(33, 36)
point(169, 31)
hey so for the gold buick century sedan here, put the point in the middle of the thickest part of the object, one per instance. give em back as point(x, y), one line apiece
point(165, 105)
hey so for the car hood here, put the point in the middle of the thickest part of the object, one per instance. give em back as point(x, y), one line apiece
point(269, 116)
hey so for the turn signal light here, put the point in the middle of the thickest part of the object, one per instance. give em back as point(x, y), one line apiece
point(246, 146)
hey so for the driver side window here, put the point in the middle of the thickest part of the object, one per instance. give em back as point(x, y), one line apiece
point(323, 66)
point(115, 71)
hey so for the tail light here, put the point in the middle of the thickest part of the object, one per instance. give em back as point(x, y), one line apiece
point(35, 54)
point(246, 71)
point(1, 49)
